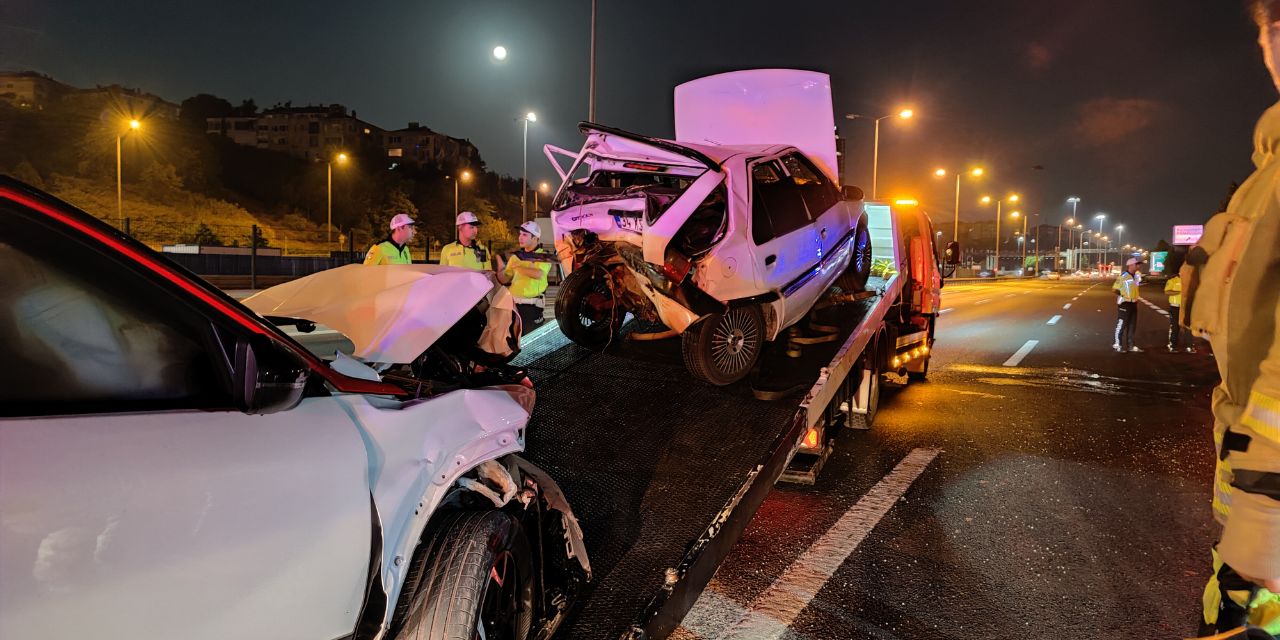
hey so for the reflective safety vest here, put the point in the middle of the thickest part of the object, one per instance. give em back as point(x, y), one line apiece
point(1174, 288)
point(455, 254)
point(1126, 287)
point(524, 286)
point(386, 252)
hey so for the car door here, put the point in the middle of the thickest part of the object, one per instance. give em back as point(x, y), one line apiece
point(831, 220)
point(786, 246)
point(133, 497)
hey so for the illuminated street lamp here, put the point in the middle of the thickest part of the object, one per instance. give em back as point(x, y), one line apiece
point(976, 172)
point(134, 124)
point(1119, 234)
point(465, 176)
point(340, 159)
point(905, 114)
point(499, 53)
point(542, 188)
point(524, 180)
point(1018, 214)
point(1013, 198)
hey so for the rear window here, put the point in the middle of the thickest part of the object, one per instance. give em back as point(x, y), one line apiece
point(658, 188)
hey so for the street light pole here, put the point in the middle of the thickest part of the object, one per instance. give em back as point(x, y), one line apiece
point(328, 189)
point(591, 99)
point(905, 114)
point(524, 180)
point(134, 125)
point(996, 270)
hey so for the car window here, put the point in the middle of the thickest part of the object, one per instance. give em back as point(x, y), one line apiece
point(777, 206)
point(82, 333)
point(818, 192)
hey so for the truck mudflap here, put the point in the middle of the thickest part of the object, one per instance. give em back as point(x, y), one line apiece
point(663, 495)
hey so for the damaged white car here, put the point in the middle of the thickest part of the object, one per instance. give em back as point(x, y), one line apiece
point(727, 235)
point(174, 464)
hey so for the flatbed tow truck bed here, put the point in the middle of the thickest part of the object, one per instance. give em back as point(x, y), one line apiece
point(665, 472)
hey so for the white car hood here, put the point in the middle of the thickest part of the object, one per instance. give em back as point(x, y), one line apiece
point(391, 313)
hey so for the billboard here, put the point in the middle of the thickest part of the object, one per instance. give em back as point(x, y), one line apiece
point(1187, 234)
point(1157, 261)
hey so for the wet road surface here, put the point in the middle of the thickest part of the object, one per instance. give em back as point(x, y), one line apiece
point(1039, 484)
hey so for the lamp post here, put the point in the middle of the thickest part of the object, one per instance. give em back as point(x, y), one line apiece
point(1119, 239)
point(542, 188)
point(976, 173)
point(905, 114)
point(524, 180)
point(464, 176)
point(1057, 246)
point(1022, 267)
point(134, 125)
point(341, 157)
point(591, 87)
point(1013, 198)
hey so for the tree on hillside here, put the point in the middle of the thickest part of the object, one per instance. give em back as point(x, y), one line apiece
point(247, 108)
point(27, 173)
point(160, 182)
point(196, 110)
point(205, 237)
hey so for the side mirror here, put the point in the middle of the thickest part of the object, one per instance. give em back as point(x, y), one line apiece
point(852, 193)
point(267, 377)
point(952, 254)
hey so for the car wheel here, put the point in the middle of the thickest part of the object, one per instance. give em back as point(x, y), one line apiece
point(586, 310)
point(854, 278)
point(864, 421)
point(723, 347)
point(475, 580)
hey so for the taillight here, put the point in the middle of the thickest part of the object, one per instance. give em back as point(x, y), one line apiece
point(676, 267)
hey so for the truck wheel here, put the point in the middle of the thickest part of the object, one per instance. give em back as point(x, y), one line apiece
point(723, 347)
point(475, 580)
point(860, 420)
point(586, 310)
point(854, 278)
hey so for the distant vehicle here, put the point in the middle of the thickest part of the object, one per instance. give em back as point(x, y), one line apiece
point(726, 243)
point(1052, 275)
point(986, 273)
point(170, 459)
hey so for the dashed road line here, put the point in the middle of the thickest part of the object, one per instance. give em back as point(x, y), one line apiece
point(947, 310)
point(772, 613)
point(1066, 306)
point(983, 301)
point(1054, 320)
point(1021, 353)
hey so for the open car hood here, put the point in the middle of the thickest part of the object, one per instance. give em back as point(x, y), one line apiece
point(392, 313)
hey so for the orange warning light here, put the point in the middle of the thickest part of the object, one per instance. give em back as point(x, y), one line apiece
point(811, 438)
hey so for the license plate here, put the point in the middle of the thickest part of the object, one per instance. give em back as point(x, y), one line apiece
point(627, 223)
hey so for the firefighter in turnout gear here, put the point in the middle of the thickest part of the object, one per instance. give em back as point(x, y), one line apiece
point(395, 249)
point(1126, 288)
point(1231, 296)
point(526, 274)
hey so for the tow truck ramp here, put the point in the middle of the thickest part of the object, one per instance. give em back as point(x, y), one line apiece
point(666, 472)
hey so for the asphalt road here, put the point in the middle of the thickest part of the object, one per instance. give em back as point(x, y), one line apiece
point(1064, 494)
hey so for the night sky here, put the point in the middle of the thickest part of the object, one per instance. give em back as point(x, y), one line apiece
point(1143, 108)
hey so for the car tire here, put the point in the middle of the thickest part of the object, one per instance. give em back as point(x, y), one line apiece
point(474, 569)
point(863, 421)
point(854, 278)
point(586, 310)
point(722, 348)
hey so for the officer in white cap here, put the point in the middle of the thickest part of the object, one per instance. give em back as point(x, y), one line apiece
point(526, 274)
point(465, 251)
point(395, 249)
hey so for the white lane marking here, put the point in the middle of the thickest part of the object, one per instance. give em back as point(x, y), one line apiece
point(1013, 294)
point(1066, 306)
point(773, 612)
point(983, 301)
point(1021, 353)
point(1054, 320)
point(947, 310)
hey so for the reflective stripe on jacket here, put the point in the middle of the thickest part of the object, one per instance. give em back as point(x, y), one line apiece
point(1126, 287)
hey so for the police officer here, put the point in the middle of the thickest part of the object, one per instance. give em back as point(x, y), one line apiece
point(395, 249)
point(1126, 288)
point(526, 274)
point(466, 251)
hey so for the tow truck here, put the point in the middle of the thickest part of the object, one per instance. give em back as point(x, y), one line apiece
point(665, 471)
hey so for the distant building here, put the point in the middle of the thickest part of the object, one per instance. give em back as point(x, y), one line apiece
point(130, 103)
point(31, 90)
point(417, 144)
point(311, 132)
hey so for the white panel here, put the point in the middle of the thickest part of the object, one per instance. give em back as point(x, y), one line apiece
point(760, 106)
